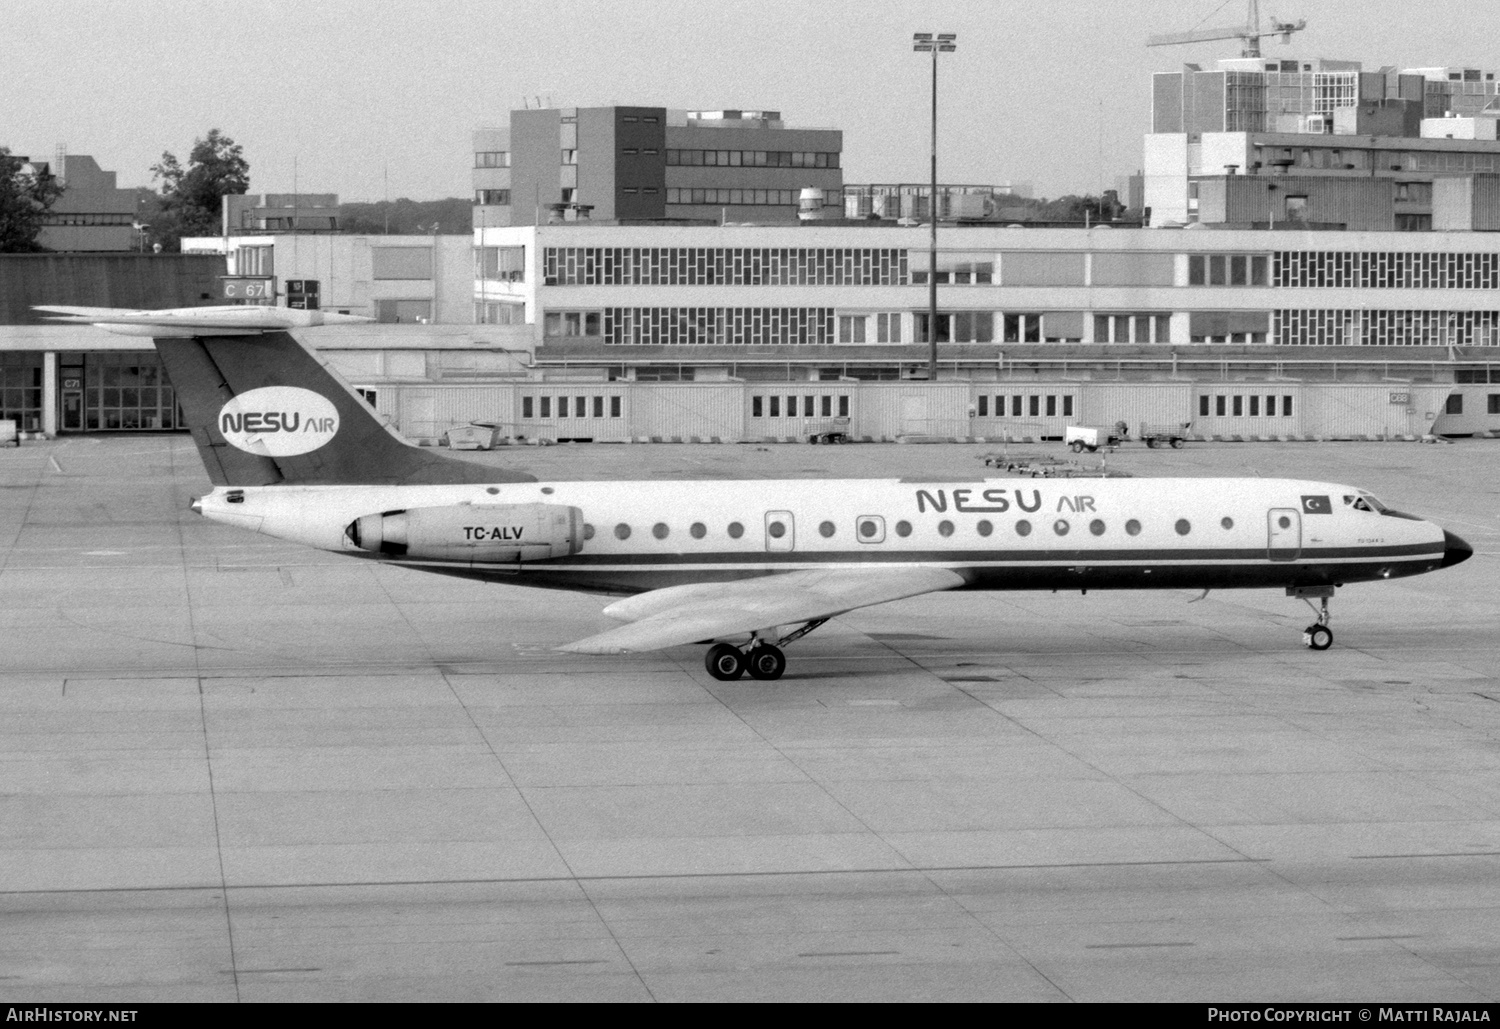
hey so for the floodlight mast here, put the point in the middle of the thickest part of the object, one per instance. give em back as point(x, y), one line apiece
point(946, 43)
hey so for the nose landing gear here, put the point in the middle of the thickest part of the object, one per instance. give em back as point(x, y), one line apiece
point(764, 661)
point(1317, 636)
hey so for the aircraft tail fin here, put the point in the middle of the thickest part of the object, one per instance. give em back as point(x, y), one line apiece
point(263, 409)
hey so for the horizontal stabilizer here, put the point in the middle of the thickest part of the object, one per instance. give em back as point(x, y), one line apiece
point(686, 614)
point(224, 320)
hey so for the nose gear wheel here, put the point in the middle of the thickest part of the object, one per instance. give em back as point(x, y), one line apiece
point(1317, 636)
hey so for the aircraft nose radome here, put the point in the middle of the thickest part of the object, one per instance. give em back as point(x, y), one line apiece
point(1455, 550)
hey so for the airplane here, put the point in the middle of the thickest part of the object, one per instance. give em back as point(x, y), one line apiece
point(747, 567)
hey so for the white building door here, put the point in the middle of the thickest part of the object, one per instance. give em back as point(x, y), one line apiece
point(913, 414)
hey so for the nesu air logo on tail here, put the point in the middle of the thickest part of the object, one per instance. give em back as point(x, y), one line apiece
point(279, 421)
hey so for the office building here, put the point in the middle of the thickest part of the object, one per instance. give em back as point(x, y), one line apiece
point(1318, 121)
point(280, 212)
point(913, 200)
point(1023, 313)
point(92, 215)
point(411, 280)
point(650, 163)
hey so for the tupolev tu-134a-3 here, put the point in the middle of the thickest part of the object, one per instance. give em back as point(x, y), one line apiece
point(745, 566)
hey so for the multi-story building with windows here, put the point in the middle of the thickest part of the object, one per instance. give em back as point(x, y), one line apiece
point(650, 163)
point(1117, 320)
point(1328, 123)
point(897, 200)
point(92, 214)
point(411, 280)
point(281, 212)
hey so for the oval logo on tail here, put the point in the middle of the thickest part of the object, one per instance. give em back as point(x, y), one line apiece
point(279, 421)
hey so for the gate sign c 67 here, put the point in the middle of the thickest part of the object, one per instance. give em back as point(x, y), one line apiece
point(248, 288)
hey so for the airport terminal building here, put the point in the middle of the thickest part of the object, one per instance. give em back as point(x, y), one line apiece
point(1288, 306)
point(1362, 333)
point(595, 331)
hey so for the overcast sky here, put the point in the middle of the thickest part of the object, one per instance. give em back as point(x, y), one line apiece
point(1048, 92)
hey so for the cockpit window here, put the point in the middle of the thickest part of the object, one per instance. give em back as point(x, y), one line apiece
point(1364, 502)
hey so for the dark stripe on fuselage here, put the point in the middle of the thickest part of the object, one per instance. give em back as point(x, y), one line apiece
point(1062, 575)
point(946, 558)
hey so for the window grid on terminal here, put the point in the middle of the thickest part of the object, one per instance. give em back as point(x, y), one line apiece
point(736, 326)
point(1355, 326)
point(725, 266)
point(1318, 269)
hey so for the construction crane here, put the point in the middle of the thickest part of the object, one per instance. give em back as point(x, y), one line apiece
point(1251, 33)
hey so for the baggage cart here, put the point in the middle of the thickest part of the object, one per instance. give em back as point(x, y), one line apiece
point(1172, 435)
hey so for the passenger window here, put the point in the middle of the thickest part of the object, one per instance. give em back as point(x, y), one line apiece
point(736, 530)
point(1097, 527)
point(870, 529)
point(1023, 528)
point(903, 529)
point(588, 531)
point(1060, 526)
point(1132, 528)
point(660, 530)
point(826, 530)
point(776, 530)
point(945, 528)
point(1228, 523)
point(698, 530)
point(1184, 526)
point(622, 531)
point(984, 527)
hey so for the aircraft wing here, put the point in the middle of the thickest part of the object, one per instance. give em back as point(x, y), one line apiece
point(679, 615)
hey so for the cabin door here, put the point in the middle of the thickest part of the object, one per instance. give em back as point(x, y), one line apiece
point(781, 532)
point(1284, 533)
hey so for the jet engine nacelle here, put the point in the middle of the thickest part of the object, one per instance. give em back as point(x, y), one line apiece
point(477, 533)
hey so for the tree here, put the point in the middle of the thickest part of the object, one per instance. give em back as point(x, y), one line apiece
point(192, 197)
point(26, 196)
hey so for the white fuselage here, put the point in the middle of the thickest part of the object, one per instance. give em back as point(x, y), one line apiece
point(1004, 533)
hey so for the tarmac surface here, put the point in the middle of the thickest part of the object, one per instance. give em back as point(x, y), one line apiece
point(233, 769)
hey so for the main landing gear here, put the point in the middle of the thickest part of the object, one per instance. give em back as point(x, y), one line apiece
point(762, 660)
point(1317, 636)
